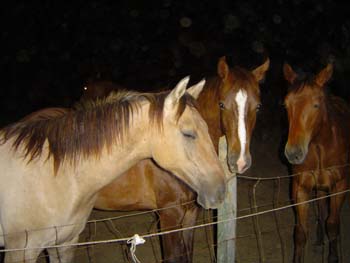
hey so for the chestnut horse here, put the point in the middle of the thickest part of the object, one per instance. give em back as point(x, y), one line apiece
point(53, 167)
point(228, 103)
point(318, 140)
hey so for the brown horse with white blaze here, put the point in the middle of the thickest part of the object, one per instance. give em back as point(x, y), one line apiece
point(318, 149)
point(228, 103)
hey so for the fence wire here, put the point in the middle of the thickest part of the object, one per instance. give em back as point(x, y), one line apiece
point(253, 209)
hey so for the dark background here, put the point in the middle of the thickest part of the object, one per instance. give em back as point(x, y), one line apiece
point(50, 49)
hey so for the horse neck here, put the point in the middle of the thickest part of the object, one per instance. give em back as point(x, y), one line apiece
point(329, 127)
point(208, 102)
point(113, 162)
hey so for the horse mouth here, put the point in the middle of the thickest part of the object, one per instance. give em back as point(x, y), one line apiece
point(207, 203)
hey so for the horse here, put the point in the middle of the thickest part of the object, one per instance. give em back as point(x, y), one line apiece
point(318, 149)
point(53, 167)
point(99, 89)
point(228, 103)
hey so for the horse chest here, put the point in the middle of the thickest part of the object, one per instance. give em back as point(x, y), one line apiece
point(318, 180)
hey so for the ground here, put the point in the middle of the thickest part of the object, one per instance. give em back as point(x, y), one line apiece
point(276, 229)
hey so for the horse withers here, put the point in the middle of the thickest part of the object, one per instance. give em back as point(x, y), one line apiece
point(318, 149)
point(52, 168)
point(228, 103)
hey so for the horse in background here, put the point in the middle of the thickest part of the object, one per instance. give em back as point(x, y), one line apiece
point(318, 149)
point(56, 163)
point(228, 103)
point(99, 89)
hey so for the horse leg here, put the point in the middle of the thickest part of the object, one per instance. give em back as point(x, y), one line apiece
point(21, 240)
point(63, 254)
point(322, 216)
point(333, 220)
point(30, 255)
point(189, 220)
point(300, 194)
point(174, 245)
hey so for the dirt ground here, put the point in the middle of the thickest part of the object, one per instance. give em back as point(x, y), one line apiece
point(276, 229)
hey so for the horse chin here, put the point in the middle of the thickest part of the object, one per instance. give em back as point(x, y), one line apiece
point(206, 203)
point(243, 170)
point(234, 169)
point(296, 162)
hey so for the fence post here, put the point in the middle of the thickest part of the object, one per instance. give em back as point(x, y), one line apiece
point(226, 232)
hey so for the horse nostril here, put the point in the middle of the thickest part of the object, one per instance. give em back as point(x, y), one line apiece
point(298, 154)
point(295, 155)
point(232, 163)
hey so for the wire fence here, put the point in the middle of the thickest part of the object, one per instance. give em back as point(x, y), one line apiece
point(253, 211)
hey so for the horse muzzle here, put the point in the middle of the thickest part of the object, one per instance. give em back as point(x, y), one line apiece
point(295, 154)
point(238, 164)
point(211, 197)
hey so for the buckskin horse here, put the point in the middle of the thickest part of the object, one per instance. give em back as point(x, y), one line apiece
point(318, 149)
point(228, 103)
point(52, 168)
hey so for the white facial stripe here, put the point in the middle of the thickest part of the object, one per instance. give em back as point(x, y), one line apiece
point(241, 100)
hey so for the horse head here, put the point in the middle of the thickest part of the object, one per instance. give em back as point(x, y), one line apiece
point(239, 102)
point(187, 142)
point(306, 108)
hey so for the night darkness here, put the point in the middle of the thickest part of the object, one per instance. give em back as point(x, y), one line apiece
point(50, 49)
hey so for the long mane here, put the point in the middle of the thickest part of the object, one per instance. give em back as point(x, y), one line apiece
point(87, 128)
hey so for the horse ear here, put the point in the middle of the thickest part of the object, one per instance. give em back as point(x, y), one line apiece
point(289, 73)
point(260, 71)
point(223, 68)
point(174, 96)
point(196, 89)
point(324, 75)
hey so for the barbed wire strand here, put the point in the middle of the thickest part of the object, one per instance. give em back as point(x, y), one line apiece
point(177, 205)
point(238, 176)
point(176, 230)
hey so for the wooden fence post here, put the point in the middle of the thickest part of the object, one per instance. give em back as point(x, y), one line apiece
point(226, 232)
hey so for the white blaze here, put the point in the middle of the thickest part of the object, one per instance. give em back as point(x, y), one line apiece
point(241, 100)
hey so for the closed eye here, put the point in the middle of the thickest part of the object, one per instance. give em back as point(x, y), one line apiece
point(189, 134)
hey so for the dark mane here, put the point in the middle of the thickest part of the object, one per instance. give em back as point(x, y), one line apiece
point(88, 128)
point(338, 108)
point(305, 79)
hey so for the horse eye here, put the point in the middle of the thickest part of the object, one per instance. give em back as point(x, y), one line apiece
point(283, 105)
point(316, 106)
point(221, 105)
point(258, 107)
point(189, 134)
